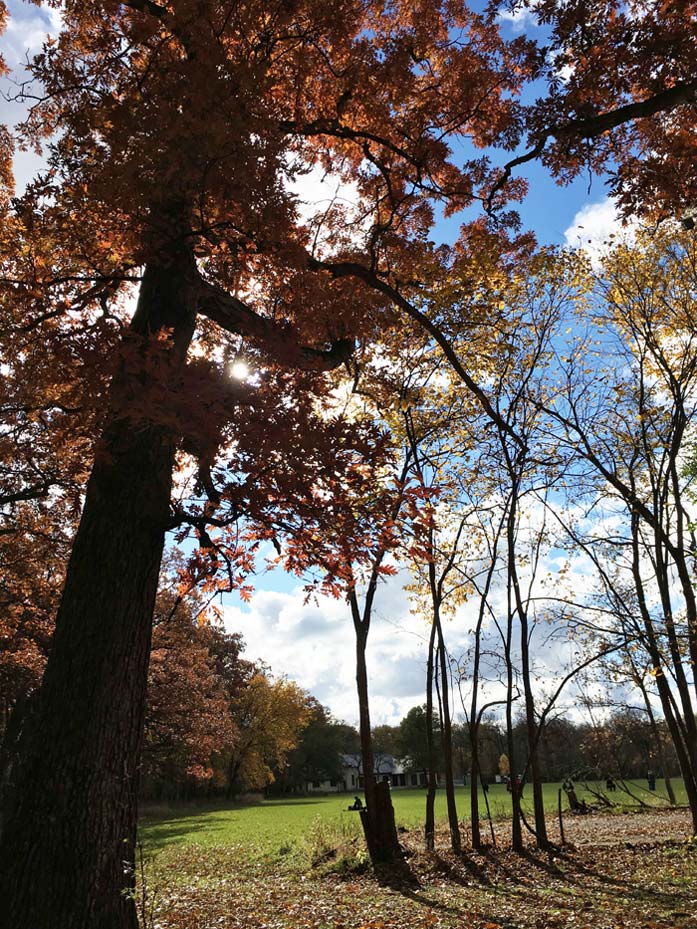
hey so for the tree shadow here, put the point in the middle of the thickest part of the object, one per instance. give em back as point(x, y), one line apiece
point(629, 887)
point(398, 876)
point(450, 866)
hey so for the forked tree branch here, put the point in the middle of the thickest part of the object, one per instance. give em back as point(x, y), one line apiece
point(593, 126)
point(282, 343)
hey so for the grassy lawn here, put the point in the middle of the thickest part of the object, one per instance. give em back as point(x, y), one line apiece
point(281, 826)
point(258, 867)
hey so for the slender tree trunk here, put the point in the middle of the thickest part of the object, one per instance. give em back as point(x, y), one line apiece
point(516, 829)
point(446, 731)
point(533, 744)
point(677, 733)
point(430, 824)
point(378, 816)
point(474, 704)
point(67, 854)
point(474, 787)
point(658, 742)
point(681, 726)
point(530, 722)
point(537, 795)
point(367, 759)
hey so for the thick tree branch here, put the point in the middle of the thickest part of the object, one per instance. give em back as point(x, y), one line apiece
point(282, 343)
point(36, 492)
point(168, 20)
point(149, 6)
point(353, 269)
point(593, 126)
point(336, 129)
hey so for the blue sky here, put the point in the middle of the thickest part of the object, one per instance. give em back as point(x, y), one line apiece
point(313, 642)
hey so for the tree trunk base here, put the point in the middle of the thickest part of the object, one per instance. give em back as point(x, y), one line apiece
point(380, 830)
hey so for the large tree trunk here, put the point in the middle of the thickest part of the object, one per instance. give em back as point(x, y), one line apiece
point(68, 847)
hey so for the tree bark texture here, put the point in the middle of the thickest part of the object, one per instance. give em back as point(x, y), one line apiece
point(67, 851)
point(379, 828)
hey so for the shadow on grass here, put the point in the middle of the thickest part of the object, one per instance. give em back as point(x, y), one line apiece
point(156, 812)
point(208, 824)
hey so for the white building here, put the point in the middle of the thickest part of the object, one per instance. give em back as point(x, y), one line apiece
point(386, 767)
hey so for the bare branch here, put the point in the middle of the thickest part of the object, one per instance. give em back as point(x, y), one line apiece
point(353, 269)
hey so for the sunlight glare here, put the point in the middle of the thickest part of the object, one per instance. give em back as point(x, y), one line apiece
point(239, 370)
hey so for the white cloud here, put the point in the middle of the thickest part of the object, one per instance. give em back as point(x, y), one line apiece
point(317, 190)
point(27, 30)
point(314, 644)
point(595, 228)
point(325, 200)
point(521, 19)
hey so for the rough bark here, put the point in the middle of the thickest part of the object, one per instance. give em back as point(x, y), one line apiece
point(380, 829)
point(17, 720)
point(68, 847)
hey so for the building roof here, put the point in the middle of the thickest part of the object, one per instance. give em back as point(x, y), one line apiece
point(383, 763)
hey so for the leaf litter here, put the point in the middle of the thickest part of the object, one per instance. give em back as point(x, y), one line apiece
point(632, 871)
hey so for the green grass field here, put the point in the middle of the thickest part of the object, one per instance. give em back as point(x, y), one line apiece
point(271, 825)
point(300, 863)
